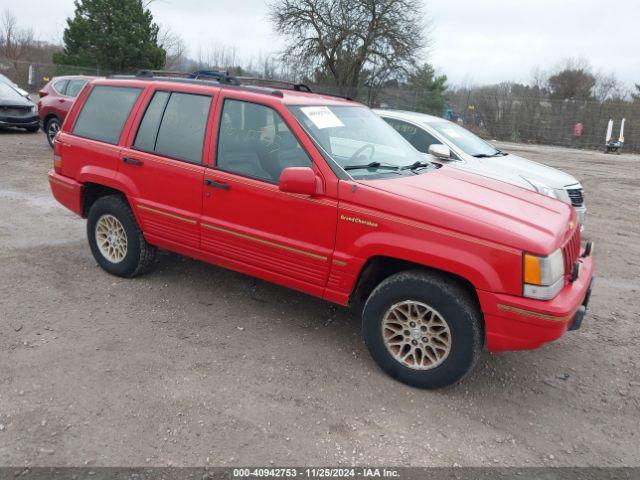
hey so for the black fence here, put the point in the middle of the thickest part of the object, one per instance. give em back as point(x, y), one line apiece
point(500, 117)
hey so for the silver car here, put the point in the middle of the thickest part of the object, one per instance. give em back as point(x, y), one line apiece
point(453, 145)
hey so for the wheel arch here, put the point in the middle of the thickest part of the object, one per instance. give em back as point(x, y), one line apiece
point(93, 191)
point(376, 269)
point(48, 117)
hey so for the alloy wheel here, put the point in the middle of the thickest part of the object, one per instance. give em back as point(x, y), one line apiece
point(111, 238)
point(416, 335)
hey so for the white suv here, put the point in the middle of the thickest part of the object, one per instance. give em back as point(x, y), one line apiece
point(453, 145)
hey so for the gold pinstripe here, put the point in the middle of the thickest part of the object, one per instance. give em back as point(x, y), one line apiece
point(265, 242)
point(62, 184)
point(529, 313)
point(167, 214)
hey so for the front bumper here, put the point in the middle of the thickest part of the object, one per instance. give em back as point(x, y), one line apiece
point(23, 122)
point(518, 323)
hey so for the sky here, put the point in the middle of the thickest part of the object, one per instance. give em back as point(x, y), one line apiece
point(474, 42)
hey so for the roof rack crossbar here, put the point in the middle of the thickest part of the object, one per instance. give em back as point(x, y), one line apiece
point(222, 77)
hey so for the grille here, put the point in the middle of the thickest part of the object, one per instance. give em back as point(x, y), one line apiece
point(571, 251)
point(15, 111)
point(576, 197)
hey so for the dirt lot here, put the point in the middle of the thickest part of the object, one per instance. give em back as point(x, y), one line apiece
point(196, 365)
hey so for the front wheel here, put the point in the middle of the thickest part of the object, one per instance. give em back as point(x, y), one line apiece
point(115, 239)
point(423, 329)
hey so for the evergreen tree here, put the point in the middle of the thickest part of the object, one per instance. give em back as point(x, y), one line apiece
point(115, 36)
point(430, 90)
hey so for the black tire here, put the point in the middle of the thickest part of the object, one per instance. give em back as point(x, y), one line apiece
point(454, 305)
point(139, 256)
point(32, 129)
point(51, 125)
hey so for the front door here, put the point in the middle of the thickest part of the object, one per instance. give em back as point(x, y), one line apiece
point(247, 220)
point(164, 163)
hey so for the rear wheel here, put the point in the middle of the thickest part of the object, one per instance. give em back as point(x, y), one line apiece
point(115, 239)
point(51, 128)
point(423, 329)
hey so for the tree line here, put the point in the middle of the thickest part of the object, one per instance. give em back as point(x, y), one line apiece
point(372, 50)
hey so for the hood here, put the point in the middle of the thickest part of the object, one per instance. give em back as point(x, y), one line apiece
point(19, 102)
point(482, 207)
point(512, 169)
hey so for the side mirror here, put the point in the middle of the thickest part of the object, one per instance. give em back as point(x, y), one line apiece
point(301, 180)
point(440, 151)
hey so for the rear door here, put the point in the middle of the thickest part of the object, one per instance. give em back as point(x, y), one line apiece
point(164, 164)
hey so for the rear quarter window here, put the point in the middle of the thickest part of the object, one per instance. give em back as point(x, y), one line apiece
point(74, 87)
point(60, 85)
point(105, 112)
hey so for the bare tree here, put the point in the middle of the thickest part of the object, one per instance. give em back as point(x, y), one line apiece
point(15, 43)
point(175, 48)
point(573, 79)
point(342, 40)
point(608, 87)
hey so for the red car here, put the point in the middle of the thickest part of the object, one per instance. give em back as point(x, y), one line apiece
point(319, 194)
point(56, 98)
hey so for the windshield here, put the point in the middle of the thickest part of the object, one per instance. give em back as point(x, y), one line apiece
point(358, 140)
point(8, 92)
point(465, 140)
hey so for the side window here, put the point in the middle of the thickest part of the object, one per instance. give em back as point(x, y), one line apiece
point(148, 130)
point(414, 135)
point(105, 111)
point(60, 85)
point(182, 127)
point(254, 141)
point(74, 87)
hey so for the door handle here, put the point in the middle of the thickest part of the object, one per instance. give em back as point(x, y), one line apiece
point(132, 161)
point(213, 183)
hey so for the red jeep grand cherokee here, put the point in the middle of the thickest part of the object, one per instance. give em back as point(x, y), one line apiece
point(319, 194)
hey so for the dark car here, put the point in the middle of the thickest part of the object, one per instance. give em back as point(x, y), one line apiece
point(56, 98)
point(16, 110)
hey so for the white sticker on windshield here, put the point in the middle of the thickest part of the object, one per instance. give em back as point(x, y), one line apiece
point(451, 133)
point(322, 117)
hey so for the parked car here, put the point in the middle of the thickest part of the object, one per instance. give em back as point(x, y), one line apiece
point(319, 194)
point(17, 110)
point(56, 98)
point(458, 147)
point(8, 81)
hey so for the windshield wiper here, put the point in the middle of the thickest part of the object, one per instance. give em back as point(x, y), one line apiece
point(416, 165)
point(499, 153)
point(375, 165)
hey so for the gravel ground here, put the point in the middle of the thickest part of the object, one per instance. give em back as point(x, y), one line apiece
point(196, 365)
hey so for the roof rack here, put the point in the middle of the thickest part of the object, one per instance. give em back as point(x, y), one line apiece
point(223, 78)
point(298, 87)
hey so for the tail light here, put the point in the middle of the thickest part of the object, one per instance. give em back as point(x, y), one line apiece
point(43, 93)
point(57, 157)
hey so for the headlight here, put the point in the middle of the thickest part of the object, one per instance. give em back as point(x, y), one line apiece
point(542, 188)
point(543, 276)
